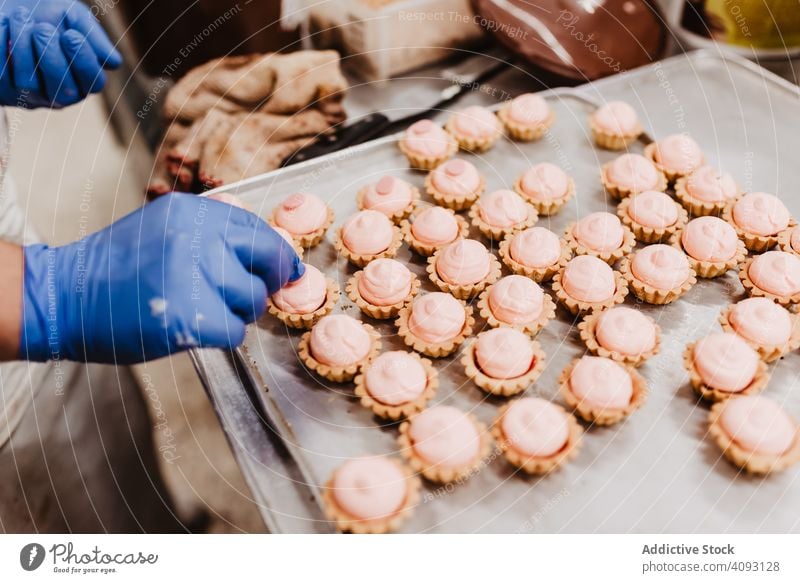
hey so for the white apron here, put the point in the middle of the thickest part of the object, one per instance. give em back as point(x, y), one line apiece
point(76, 449)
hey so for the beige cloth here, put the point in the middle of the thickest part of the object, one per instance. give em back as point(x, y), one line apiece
point(237, 117)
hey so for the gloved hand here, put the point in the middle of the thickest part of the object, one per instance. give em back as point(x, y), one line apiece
point(52, 53)
point(181, 272)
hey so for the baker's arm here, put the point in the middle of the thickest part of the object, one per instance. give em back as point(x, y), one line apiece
point(11, 304)
point(179, 273)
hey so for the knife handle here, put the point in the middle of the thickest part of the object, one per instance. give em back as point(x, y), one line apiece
point(364, 129)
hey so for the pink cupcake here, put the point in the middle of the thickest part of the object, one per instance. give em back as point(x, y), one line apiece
point(463, 268)
point(501, 212)
point(587, 284)
point(767, 326)
point(338, 346)
point(391, 196)
point(518, 302)
point(435, 324)
point(711, 245)
point(426, 145)
point(536, 253)
point(432, 228)
point(382, 288)
point(652, 216)
point(759, 219)
point(615, 125)
point(774, 275)
point(503, 361)
point(676, 155)
point(789, 240)
point(622, 334)
point(601, 235)
point(526, 117)
point(755, 434)
point(366, 236)
point(397, 384)
point(629, 174)
point(475, 128)
point(706, 191)
point(658, 274)
point(304, 216)
point(456, 184)
point(546, 186)
point(301, 303)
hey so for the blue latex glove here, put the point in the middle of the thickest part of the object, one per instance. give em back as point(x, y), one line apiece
point(181, 272)
point(52, 53)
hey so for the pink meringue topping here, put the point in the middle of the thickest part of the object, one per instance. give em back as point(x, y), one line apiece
point(367, 233)
point(633, 172)
point(425, 138)
point(395, 378)
point(776, 272)
point(760, 213)
point(545, 182)
point(588, 279)
point(529, 109)
point(503, 208)
point(626, 331)
point(384, 282)
point(515, 299)
point(762, 321)
point(304, 295)
point(476, 122)
point(445, 437)
point(725, 362)
point(709, 239)
point(653, 209)
point(389, 195)
point(710, 185)
point(758, 424)
point(617, 118)
point(535, 427)
point(504, 353)
point(370, 488)
point(661, 266)
point(535, 247)
point(436, 317)
point(435, 226)
point(456, 177)
point(464, 262)
point(301, 213)
point(601, 382)
point(679, 153)
point(339, 340)
point(599, 231)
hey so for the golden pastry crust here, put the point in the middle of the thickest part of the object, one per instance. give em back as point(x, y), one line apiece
point(752, 290)
point(546, 208)
point(767, 352)
point(785, 241)
point(451, 201)
point(307, 321)
point(755, 243)
point(613, 141)
point(650, 294)
point(619, 192)
point(337, 374)
point(715, 395)
point(588, 332)
point(444, 475)
point(346, 523)
point(373, 311)
point(602, 416)
point(577, 307)
point(463, 292)
point(645, 234)
point(710, 269)
point(537, 274)
point(427, 249)
point(497, 233)
point(396, 216)
point(523, 133)
point(423, 163)
point(751, 462)
point(610, 257)
point(530, 328)
point(310, 239)
point(503, 387)
point(361, 260)
point(697, 207)
point(434, 350)
point(672, 175)
point(396, 412)
point(532, 464)
point(468, 143)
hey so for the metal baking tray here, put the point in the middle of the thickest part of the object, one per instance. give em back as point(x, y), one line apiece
point(654, 472)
